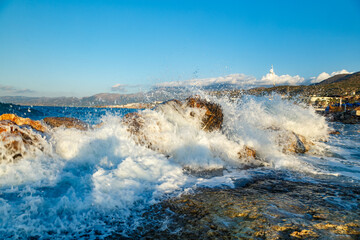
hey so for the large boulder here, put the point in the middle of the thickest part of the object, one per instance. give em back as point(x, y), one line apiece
point(204, 115)
point(155, 128)
point(18, 141)
point(23, 121)
point(135, 125)
point(66, 122)
point(213, 116)
point(293, 143)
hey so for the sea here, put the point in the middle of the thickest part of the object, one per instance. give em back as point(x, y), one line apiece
point(101, 184)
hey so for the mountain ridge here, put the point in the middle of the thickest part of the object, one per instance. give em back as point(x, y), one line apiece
point(341, 84)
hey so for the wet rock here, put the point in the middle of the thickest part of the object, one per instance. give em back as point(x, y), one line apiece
point(250, 159)
point(334, 132)
point(134, 121)
point(18, 141)
point(23, 121)
point(256, 211)
point(304, 234)
point(247, 152)
point(293, 143)
point(154, 130)
point(66, 122)
point(135, 124)
point(142, 125)
point(348, 228)
point(345, 117)
point(213, 117)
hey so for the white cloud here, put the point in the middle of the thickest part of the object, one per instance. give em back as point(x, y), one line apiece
point(119, 88)
point(340, 72)
point(239, 80)
point(12, 90)
point(272, 78)
point(233, 79)
point(322, 76)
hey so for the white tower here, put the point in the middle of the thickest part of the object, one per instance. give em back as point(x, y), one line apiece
point(272, 70)
point(272, 74)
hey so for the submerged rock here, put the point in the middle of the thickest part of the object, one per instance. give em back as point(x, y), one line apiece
point(66, 122)
point(18, 141)
point(262, 208)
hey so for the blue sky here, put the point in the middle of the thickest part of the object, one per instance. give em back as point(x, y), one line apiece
point(79, 48)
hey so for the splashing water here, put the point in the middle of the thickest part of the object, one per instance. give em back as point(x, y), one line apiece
point(94, 183)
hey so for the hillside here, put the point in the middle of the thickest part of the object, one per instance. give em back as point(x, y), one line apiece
point(342, 84)
point(332, 79)
point(101, 99)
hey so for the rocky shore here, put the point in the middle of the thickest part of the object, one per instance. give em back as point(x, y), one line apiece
point(23, 136)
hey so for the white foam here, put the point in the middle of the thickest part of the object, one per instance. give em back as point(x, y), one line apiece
point(88, 179)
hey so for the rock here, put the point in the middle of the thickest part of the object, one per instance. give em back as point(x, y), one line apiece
point(292, 142)
point(349, 228)
point(66, 122)
point(152, 130)
point(213, 117)
point(23, 121)
point(247, 153)
point(142, 125)
point(304, 234)
point(334, 132)
point(18, 141)
point(344, 117)
point(135, 123)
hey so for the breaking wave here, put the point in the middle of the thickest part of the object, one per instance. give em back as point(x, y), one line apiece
point(97, 182)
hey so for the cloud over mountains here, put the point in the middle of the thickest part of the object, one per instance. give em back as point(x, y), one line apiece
point(12, 90)
point(124, 88)
point(240, 80)
point(322, 76)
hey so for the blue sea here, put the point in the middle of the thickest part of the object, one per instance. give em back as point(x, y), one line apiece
point(190, 184)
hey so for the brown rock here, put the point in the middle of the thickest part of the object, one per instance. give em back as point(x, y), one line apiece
point(334, 132)
point(18, 141)
point(23, 121)
point(213, 117)
point(304, 234)
point(134, 121)
point(293, 143)
point(136, 126)
point(66, 122)
point(247, 152)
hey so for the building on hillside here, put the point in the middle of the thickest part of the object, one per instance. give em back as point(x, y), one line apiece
point(315, 100)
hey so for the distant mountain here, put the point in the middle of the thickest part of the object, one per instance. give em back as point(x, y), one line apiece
point(341, 84)
point(338, 85)
point(101, 99)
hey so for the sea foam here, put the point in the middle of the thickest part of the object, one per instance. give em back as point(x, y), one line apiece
point(87, 183)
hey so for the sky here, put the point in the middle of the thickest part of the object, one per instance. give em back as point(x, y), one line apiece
point(80, 48)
